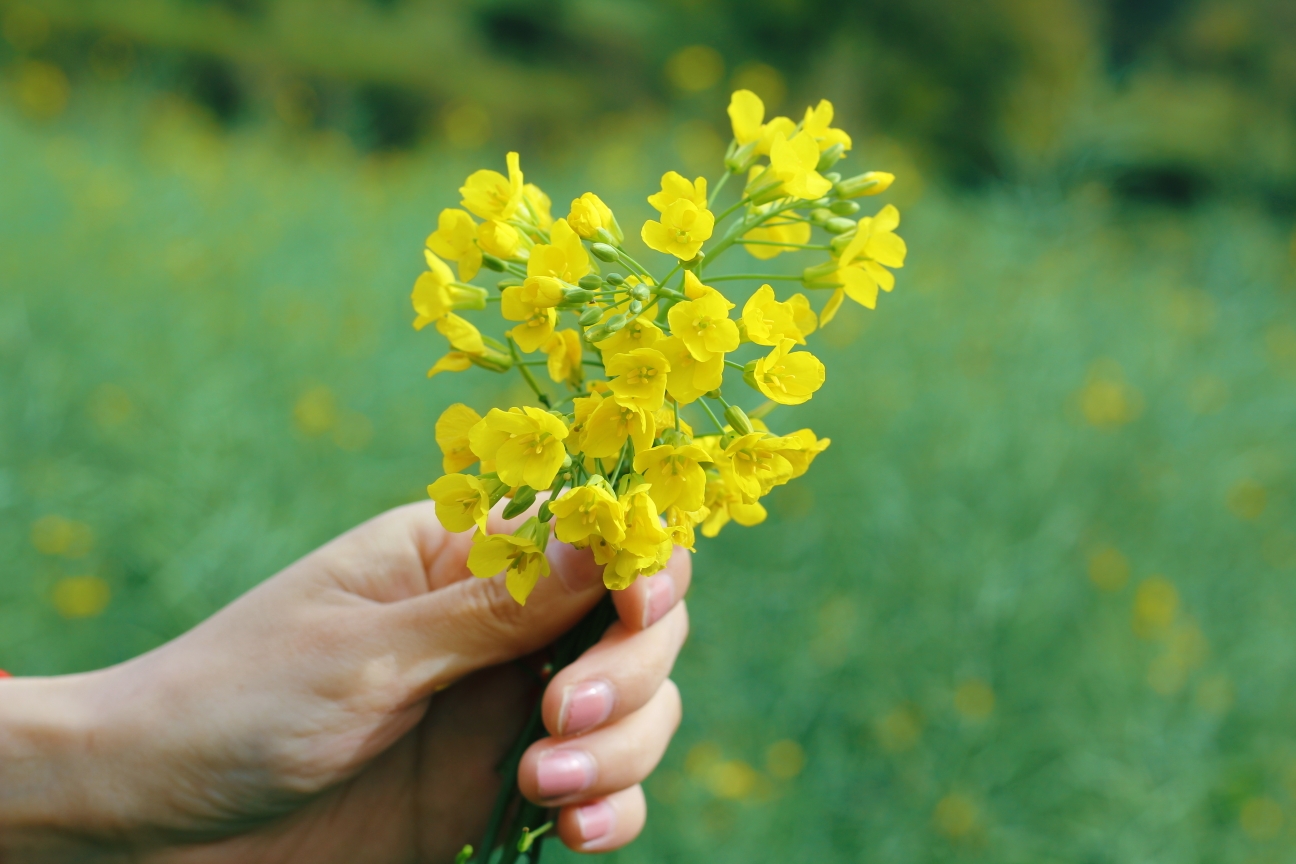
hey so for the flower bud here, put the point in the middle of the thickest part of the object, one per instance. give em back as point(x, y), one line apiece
point(840, 242)
point(830, 157)
point(832, 177)
point(494, 488)
point(641, 293)
point(510, 282)
point(576, 297)
point(523, 498)
point(543, 514)
point(839, 225)
point(463, 296)
point(820, 216)
point(603, 235)
point(590, 316)
point(820, 273)
point(675, 437)
point(614, 279)
point(604, 252)
point(872, 183)
point(490, 262)
point(593, 281)
point(616, 323)
point(749, 375)
point(495, 358)
point(534, 530)
point(636, 306)
point(738, 159)
point(844, 208)
point(738, 419)
point(692, 263)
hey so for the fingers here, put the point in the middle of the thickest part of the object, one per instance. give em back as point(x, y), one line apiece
point(606, 823)
point(651, 597)
point(472, 623)
point(560, 771)
point(616, 677)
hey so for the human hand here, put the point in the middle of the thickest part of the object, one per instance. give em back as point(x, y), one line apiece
point(353, 707)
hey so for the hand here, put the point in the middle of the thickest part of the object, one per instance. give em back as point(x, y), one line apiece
point(354, 707)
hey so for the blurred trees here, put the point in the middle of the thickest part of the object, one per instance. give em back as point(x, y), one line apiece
point(1168, 100)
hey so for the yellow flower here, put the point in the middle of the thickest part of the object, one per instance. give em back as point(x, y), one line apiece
point(525, 443)
point(454, 361)
point(639, 378)
point(724, 504)
point(689, 377)
point(588, 510)
point(680, 523)
point(455, 239)
point(436, 293)
point(583, 407)
point(704, 325)
point(861, 270)
point(521, 302)
point(564, 351)
point(753, 464)
point(563, 257)
point(794, 162)
point(535, 331)
point(452, 429)
point(785, 231)
point(646, 546)
point(817, 124)
point(589, 214)
point(800, 449)
point(747, 113)
point(461, 502)
point(611, 423)
point(789, 377)
point(639, 333)
point(462, 334)
point(519, 557)
point(674, 475)
point(695, 290)
point(683, 228)
point(675, 188)
point(766, 321)
point(499, 239)
point(539, 204)
point(490, 195)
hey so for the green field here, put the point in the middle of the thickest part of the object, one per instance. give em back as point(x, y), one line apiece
point(1033, 605)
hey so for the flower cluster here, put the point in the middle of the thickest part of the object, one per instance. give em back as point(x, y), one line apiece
point(619, 468)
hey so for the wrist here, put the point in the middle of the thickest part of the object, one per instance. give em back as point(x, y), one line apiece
point(50, 775)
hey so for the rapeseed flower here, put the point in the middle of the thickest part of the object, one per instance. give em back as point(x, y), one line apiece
point(705, 326)
point(490, 195)
point(452, 429)
point(521, 559)
point(461, 501)
point(456, 240)
point(862, 267)
point(525, 444)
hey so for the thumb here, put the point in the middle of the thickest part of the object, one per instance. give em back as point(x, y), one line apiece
point(473, 623)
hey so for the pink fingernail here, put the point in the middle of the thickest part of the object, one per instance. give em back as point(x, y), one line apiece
point(564, 772)
point(661, 597)
point(585, 706)
point(595, 821)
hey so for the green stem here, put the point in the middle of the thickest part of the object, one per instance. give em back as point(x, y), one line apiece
point(730, 209)
point(673, 271)
point(715, 191)
point(714, 419)
point(733, 365)
point(767, 277)
point(819, 246)
point(526, 374)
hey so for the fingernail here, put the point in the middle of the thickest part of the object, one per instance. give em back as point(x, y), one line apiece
point(575, 567)
point(564, 772)
point(595, 821)
point(585, 706)
point(661, 597)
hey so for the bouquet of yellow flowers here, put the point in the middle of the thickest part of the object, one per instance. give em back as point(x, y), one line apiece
point(635, 359)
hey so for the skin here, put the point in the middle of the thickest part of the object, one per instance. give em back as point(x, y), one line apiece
point(353, 707)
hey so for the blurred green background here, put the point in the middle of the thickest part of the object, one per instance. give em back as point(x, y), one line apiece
point(1036, 603)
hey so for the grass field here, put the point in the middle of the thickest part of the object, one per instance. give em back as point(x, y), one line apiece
point(1035, 604)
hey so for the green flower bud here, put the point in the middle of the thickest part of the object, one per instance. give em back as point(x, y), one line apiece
point(591, 281)
point(749, 375)
point(495, 358)
point(616, 322)
point(510, 282)
point(830, 157)
point(832, 177)
point(819, 273)
point(614, 279)
point(641, 293)
point(840, 242)
point(738, 159)
point(604, 252)
point(523, 498)
point(844, 208)
point(738, 419)
point(543, 513)
point(839, 225)
point(692, 263)
point(676, 437)
point(494, 488)
point(820, 216)
point(872, 183)
point(576, 297)
point(490, 262)
point(603, 235)
point(591, 316)
point(636, 306)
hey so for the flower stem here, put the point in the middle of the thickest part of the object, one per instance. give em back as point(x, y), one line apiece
point(733, 365)
point(526, 374)
point(770, 277)
point(720, 184)
point(714, 419)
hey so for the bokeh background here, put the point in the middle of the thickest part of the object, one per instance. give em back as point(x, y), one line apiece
point(1036, 603)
